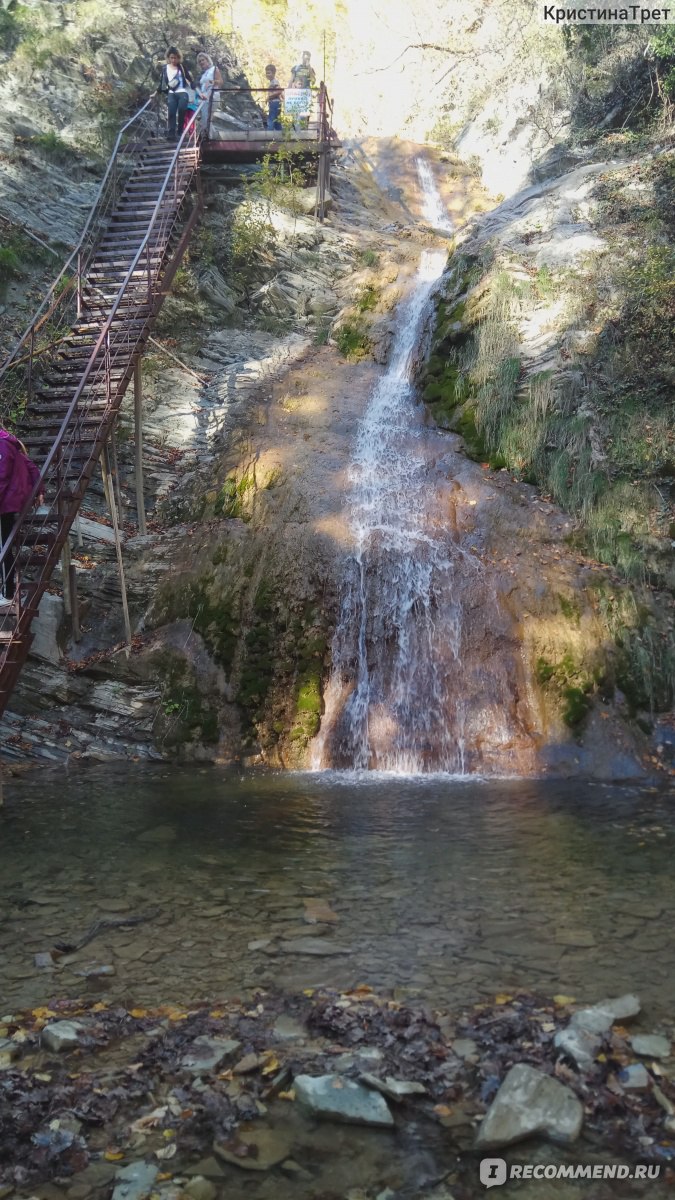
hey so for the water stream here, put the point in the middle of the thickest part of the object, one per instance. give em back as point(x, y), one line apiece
point(401, 697)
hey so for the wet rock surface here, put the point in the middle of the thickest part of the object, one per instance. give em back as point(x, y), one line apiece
point(335, 1099)
point(528, 1103)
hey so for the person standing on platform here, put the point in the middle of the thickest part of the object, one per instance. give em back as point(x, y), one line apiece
point(304, 75)
point(275, 94)
point(210, 80)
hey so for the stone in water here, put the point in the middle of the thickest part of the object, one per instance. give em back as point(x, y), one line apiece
point(61, 1035)
point(337, 1099)
point(651, 1045)
point(206, 1054)
point(527, 1103)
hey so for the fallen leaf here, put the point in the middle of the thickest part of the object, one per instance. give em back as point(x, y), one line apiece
point(138, 1012)
point(271, 1065)
point(113, 1154)
point(289, 1095)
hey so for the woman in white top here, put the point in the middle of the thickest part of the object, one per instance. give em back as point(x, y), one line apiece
point(175, 81)
point(209, 79)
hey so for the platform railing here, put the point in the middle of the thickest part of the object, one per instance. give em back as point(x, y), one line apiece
point(318, 118)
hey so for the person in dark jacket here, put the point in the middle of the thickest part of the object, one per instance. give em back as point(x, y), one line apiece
point(18, 476)
point(176, 84)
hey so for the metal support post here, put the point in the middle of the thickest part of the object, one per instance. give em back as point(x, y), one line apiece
point(74, 603)
point(138, 443)
point(65, 571)
point(110, 497)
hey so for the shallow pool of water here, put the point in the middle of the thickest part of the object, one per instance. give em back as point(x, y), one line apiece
point(448, 889)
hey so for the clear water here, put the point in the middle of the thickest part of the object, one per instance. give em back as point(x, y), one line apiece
point(445, 891)
point(452, 890)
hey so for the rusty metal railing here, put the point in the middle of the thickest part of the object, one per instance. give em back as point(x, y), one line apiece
point(318, 117)
point(19, 373)
point(33, 547)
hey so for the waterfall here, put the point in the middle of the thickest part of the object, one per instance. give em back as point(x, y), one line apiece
point(399, 630)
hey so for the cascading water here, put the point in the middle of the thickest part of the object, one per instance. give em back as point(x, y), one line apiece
point(399, 688)
point(426, 667)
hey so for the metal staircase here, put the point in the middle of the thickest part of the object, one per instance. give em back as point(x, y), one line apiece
point(62, 386)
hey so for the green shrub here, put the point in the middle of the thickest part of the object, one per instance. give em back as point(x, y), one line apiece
point(352, 340)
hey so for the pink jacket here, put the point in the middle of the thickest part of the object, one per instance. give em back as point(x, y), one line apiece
point(18, 475)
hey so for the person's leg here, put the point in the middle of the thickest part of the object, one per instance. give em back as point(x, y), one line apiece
point(182, 111)
point(172, 105)
point(8, 566)
point(273, 119)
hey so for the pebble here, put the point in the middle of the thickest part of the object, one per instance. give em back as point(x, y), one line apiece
point(61, 1035)
point(464, 1047)
point(635, 1077)
point(207, 1054)
point(394, 1089)
point(255, 1149)
point(200, 1188)
point(134, 1181)
point(208, 1167)
point(287, 1029)
point(651, 1045)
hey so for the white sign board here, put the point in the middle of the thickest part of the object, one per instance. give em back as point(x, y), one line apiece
point(297, 101)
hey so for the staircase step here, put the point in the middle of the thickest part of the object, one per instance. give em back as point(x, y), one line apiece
point(59, 406)
point(111, 258)
point(48, 439)
point(37, 537)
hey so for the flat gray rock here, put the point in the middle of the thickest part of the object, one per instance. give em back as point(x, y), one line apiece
point(527, 1103)
point(464, 1047)
point(61, 1035)
point(287, 1029)
point(322, 947)
point(207, 1053)
point(334, 1098)
point(134, 1181)
point(651, 1045)
point(600, 1017)
point(635, 1078)
point(394, 1089)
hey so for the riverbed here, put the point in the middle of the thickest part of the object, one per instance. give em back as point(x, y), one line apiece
point(444, 889)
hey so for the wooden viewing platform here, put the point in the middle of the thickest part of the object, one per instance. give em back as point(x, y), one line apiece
point(63, 384)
